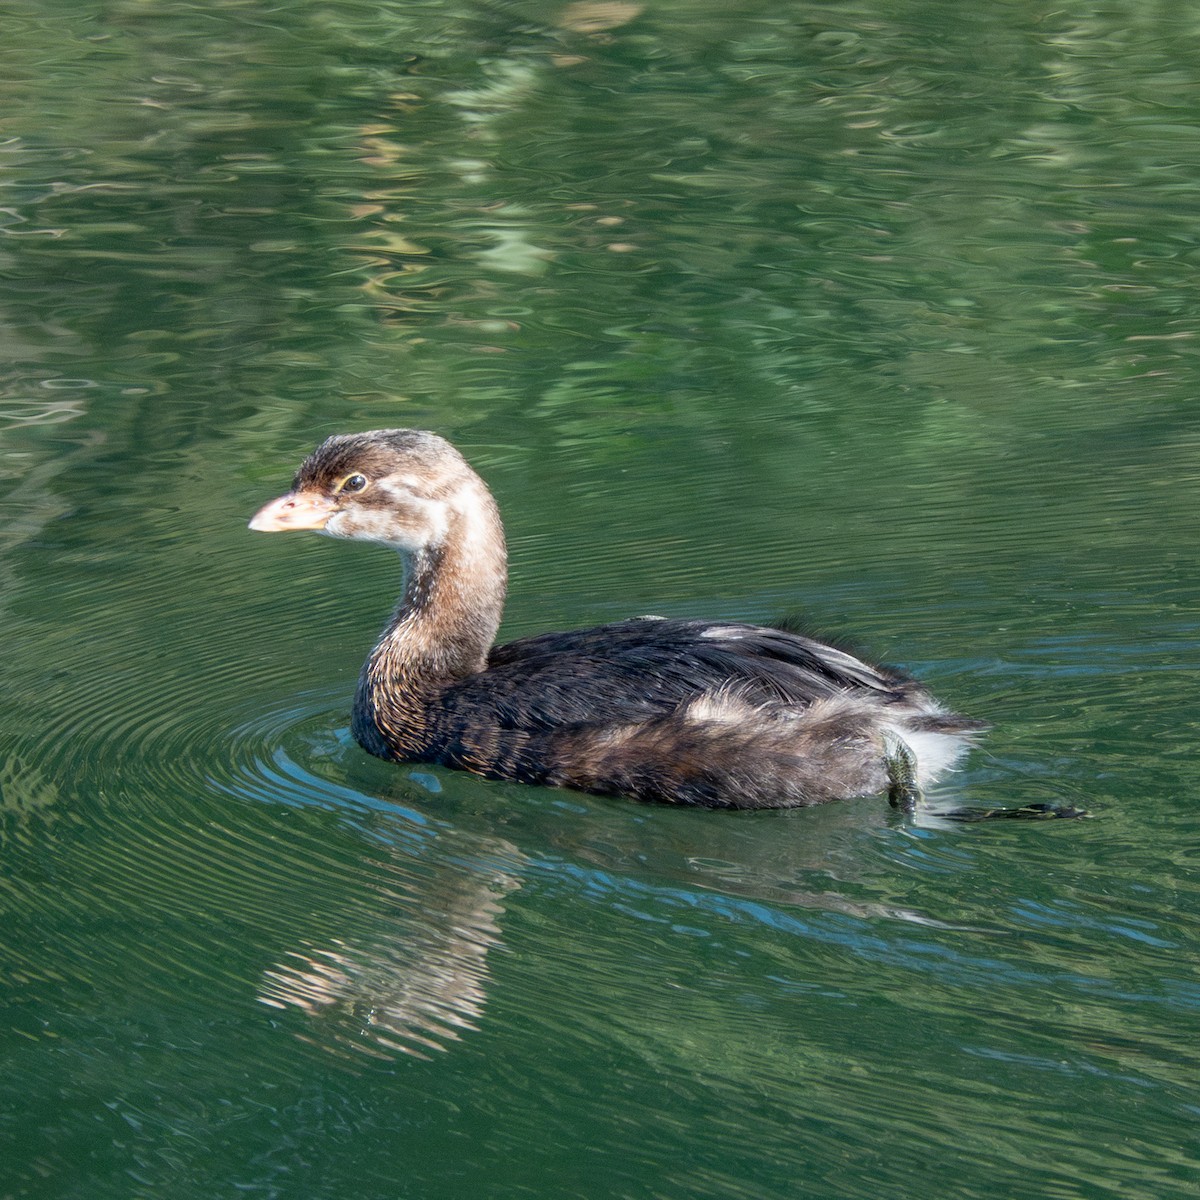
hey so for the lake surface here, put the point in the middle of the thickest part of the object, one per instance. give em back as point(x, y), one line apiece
point(886, 314)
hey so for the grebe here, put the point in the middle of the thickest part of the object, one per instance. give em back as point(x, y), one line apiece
point(692, 712)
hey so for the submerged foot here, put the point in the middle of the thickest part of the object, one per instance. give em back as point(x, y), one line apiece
point(1027, 812)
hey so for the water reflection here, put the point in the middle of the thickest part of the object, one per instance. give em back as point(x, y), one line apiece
point(418, 985)
point(406, 968)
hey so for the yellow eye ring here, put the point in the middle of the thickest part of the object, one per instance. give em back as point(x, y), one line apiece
point(353, 483)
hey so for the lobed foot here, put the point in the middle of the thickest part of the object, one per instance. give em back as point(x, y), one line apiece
point(1027, 812)
point(903, 791)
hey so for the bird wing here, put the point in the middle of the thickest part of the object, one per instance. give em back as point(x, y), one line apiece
point(642, 668)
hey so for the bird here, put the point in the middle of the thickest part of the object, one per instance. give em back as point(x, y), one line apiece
point(695, 712)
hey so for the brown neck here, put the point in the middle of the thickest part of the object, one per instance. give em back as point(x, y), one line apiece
point(441, 632)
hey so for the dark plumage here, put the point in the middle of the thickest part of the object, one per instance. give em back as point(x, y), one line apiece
point(693, 712)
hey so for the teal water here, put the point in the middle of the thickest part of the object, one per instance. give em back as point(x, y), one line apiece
point(881, 313)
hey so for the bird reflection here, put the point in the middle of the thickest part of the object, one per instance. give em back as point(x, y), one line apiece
point(415, 978)
point(413, 987)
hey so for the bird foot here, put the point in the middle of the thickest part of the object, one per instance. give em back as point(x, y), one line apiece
point(904, 793)
point(1026, 812)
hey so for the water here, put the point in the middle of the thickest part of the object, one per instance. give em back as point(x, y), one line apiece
point(880, 313)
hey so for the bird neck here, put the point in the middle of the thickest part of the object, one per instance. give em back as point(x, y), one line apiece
point(440, 632)
point(448, 614)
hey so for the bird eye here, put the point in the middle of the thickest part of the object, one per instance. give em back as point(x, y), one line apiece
point(353, 483)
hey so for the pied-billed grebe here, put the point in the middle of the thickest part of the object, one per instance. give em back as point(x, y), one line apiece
point(680, 711)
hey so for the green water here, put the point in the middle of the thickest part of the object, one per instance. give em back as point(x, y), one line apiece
point(885, 313)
